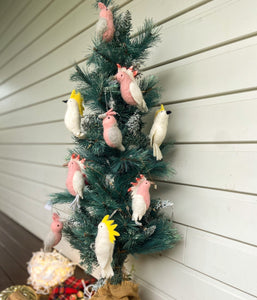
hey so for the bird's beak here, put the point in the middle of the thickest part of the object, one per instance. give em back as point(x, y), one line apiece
point(114, 77)
point(152, 182)
point(65, 165)
point(168, 112)
point(65, 101)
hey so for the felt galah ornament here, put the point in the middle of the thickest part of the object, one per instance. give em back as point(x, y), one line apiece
point(55, 235)
point(75, 182)
point(104, 245)
point(74, 113)
point(159, 130)
point(140, 198)
point(112, 134)
point(104, 27)
point(129, 89)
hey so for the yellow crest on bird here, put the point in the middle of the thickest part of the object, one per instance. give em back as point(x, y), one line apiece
point(161, 109)
point(79, 100)
point(110, 227)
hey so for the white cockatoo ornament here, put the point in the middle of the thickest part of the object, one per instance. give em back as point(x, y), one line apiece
point(104, 245)
point(74, 113)
point(159, 130)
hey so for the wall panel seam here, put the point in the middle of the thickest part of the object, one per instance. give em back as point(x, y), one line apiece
point(214, 234)
point(205, 187)
point(32, 180)
point(16, 16)
point(213, 278)
point(24, 27)
point(42, 33)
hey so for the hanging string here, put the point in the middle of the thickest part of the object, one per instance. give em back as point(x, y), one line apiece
point(106, 104)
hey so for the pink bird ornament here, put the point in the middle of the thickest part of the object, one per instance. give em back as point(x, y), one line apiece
point(112, 134)
point(55, 235)
point(104, 27)
point(75, 182)
point(130, 91)
point(140, 198)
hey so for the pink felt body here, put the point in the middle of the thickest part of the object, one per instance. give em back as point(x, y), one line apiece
point(108, 123)
point(125, 80)
point(125, 92)
point(56, 228)
point(73, 167)
point(143, 190)
point(107, 14)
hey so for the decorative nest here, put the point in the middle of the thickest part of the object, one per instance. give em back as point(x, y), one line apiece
point(46, 269)
point(24, 290)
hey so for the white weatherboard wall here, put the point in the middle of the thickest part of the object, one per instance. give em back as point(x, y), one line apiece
point(207, 66)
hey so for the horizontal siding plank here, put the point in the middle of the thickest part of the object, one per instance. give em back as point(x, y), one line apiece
point(22, 21)
point(51, 88)
point(57, 60)
point(214, 211)
point(229, 118)
point(206, 74)
point(82, 17)
point(46, 20)
point(181, 282)
point(5, 7)
point(12, 11)
point(211, 25)
point(45, 133)
point(45, 154)
point(226, 260)
point(219, 119)
point(43, 112)
point(49, 175)
point(194, 162)
point(230, 167)
point(35, 191)
point(26, 204)
point(221, 63)
point(28, 221)
point(149, 292)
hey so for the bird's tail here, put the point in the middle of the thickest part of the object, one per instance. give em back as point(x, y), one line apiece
point(80, 135)
point(143, 107)
point(47, 248)
point(107, 272)
point(157, 152)
point(121, 148)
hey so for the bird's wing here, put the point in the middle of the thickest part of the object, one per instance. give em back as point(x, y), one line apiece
point(136, 93)
point(101, 26)
point(78, 183)
point(152, 134)
point(104, 254)
point(49, 241)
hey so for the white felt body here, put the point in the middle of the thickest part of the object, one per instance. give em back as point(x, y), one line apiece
point(115, 137)
point(101, 27)
point(49, 241)
point(104, 251)
point(72, 118)
point(158, 133)
point(138, 207)
point(78, 182)
point(137, 96)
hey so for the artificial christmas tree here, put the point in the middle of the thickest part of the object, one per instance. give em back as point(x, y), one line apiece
point(116, 154)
